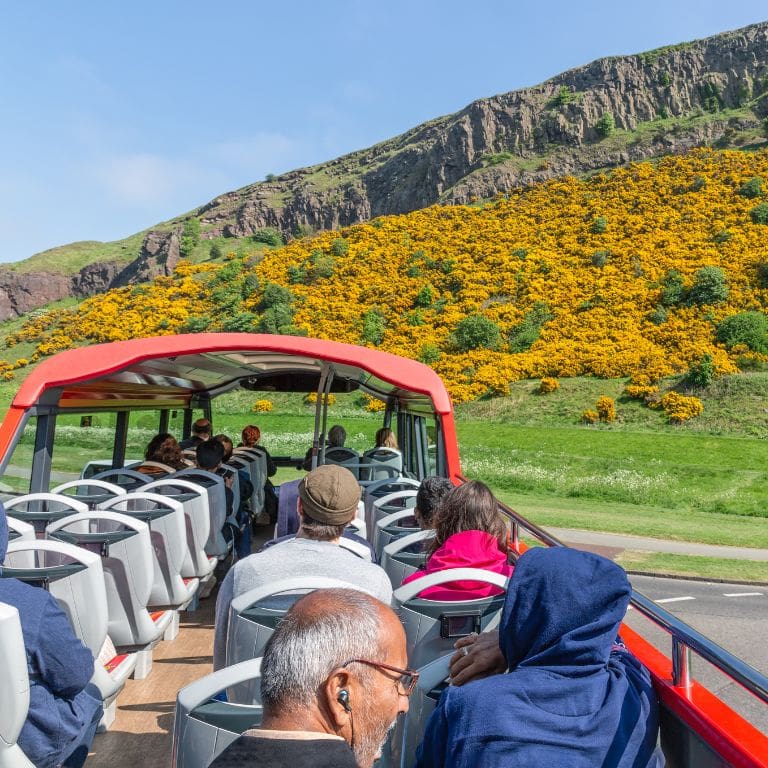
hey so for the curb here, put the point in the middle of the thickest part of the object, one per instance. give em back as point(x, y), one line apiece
point(679, 577)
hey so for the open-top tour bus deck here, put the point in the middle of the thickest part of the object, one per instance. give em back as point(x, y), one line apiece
point(125, 381)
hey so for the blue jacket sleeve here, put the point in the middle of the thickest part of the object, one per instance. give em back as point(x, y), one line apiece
point(432, 750)
point(223, 601)
point(64, 663)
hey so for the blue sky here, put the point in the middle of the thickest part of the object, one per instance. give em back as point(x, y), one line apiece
point(116, 116)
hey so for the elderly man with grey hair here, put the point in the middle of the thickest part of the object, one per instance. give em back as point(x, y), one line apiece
point(328, 498)
point(333, 680)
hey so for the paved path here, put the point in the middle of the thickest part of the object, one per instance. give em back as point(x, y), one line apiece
point(620, 541)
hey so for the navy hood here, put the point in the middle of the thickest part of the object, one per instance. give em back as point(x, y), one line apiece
point(3, 535)
point(563, 610)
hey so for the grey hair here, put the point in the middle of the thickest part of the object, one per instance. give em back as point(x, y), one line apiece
point(305, 649)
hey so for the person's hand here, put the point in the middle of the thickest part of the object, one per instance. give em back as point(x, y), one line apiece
point(476, 656)
point(229, 481)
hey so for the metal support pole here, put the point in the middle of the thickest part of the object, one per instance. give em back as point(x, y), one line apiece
point(318, 412)
point(681, 664)
point(121, 439)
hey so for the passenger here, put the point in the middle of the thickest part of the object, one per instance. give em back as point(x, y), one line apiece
point(243, 514)
point(384, 454)
point(201, 431)
point(469, 533)
point(251, 436)
point(386, 438)
point(328, 499)
point(64, 709)
point(337, 655)
point(336, 438)
point(162, 449)
point(431, 491)
point(574, 696)
point(210, 456)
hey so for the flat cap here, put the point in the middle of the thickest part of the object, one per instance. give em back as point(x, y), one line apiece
point(329, 494)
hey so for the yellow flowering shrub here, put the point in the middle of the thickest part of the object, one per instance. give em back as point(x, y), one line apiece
point(640, 391)
point(547, 385)
point(680, 408)
point(311, 398)
point(523, 262)
point(262, 406)
point(373, 404)
point(590, 417)
point(606, 408)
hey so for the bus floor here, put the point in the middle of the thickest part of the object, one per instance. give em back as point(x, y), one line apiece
point(142, 733)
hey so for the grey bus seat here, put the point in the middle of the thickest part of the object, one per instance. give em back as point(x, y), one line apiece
point(254, 615)
point(125, 548)
point(74, 577)
point(259, 473)
point(433, 626)
point(404, 556)
point(381, 488)
point(127, 479)
point(344, 457)
point(216, 545)
point(197, 523)
point(396, 501)
point(39, 509)
point(167, 531)
point(375, 463)
point(18, 529)
point(14, 692)
point(203, 726)
point(392, 527)
point(238, 463)
point(409, 730)
point(90, 492)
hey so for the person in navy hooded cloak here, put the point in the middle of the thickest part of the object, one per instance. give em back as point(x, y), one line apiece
point(573, 697)
point(64, 709)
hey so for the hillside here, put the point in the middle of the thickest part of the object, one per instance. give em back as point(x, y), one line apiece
point(627, 273)
point(605, 114)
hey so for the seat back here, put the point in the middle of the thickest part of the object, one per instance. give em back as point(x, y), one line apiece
point(374, 463)
point(381, 488)
point(259, 472)
point(404, 556)
point(392, 527)
point(216, 546)
point(409, 730)
point(344, 457)
point(433, 626)
point(14, 692)
point(90, 492)
point(165, 518)
point(204, 726)
point(196, 522)
point(125, 548)
point(18, 529)
point(240, 462)
point(127, 479)
point(254, 615)
point(39, 509)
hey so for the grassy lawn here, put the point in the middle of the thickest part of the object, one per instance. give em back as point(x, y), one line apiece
point(693, 565)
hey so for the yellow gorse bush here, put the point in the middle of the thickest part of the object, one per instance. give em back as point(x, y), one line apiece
point(262, 406)
point(548, 384)
point(593, 254)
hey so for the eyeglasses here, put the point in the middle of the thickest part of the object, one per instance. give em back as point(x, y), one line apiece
point(407, 677)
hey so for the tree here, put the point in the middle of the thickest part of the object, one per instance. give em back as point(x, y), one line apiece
point(606, 125)
point(709, 286)
point(216, 252)
point(190, 237)
point(267, 235)
point(476, 331)
point(748, 328)
point(374, 324)
point(672, 289)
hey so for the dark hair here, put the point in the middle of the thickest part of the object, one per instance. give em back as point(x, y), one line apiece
point(469, 507)
point(312, 529)
point(336, 436)
point(430, 493)
point(228, 447)
point(209, 454)
point(164, 449)
point(201, 427)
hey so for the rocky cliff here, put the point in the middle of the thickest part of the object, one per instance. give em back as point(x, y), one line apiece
point(610, 112)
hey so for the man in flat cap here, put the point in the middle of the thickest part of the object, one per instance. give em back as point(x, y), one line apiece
point(328, 498)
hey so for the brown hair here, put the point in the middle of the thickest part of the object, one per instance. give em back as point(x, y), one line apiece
point(227, 443)
point(469, 507)
point(385, 438)
point(251, 435)
point(165, 449)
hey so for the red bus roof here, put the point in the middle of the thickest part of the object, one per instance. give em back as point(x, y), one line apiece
point(166, 371)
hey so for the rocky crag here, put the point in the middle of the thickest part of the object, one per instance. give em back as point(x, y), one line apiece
point(607, 113)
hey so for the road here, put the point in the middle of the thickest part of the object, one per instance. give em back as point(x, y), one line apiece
point(734, 616)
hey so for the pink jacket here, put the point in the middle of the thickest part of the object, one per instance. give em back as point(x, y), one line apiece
point(468, 549)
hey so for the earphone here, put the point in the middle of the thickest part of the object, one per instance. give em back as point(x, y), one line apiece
point(343, 699)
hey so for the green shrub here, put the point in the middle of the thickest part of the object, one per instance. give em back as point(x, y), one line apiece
point(197, 324)
point(296, 274)
point(709, 286)
point(599, 225)
point(606, 125)
point(424, 297)
point(267, 235)
point(216, 251)
point(672, 289)
point(723, 236)
point(752, 188)
point(277, 318)
point(563, 96)
point(190, 237)
point(373, 325)
point(759, 214)
point(274, 295)
point(664, 79)
point(600, 258)
point(475, 332)
point(658, 316)
point(748, 328)
point(525, 333)
point(519, 253)
point(430, 354)
point(710, 97)
point(243, 322)
point(270, 177)
point(700, 375)
point(762, 274)
point(250, 285)
point(339, 247)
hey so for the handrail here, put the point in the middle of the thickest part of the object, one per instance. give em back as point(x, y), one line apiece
point(684, 637)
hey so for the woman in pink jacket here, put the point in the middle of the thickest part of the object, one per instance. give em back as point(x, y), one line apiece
point(469, 533)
